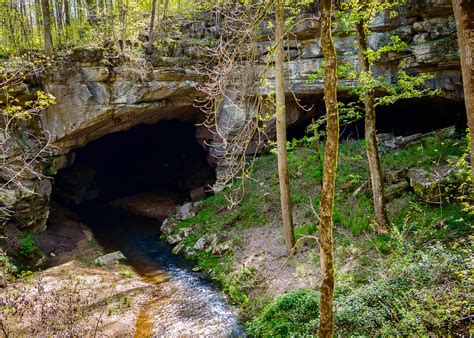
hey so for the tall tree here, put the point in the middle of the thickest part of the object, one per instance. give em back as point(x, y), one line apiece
point(165, 8)
point(152, 25)
point(285, 196)
point(59, 20)
point(358, 14)
point(375, 169)
point(326, 318)
point(464, 14)
point(123, 9)
point(48, 41)
point(92, 12)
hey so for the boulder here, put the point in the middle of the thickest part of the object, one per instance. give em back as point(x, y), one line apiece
point(184, 212)
point(110, 258)
point(222, 248)
point(166, 227)
point(432, 186)
point(200, 244)
point(185, 232)
point(178, 249)
point(174, 239)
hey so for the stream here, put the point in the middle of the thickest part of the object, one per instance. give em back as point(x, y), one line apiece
point(184, 302)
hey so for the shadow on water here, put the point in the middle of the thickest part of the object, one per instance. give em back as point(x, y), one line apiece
point(184, 302)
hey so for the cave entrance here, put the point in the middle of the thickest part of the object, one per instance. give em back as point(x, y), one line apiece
point(163, 156)
point(403, 118)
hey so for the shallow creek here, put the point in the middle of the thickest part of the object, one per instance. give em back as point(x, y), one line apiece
point(184, 302)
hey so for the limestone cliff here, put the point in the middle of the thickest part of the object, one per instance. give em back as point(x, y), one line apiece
point(99, 93)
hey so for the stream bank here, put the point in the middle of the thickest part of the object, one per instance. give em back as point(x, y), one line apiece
point(153, 293)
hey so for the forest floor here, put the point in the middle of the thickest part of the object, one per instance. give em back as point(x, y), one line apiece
point(413, 279)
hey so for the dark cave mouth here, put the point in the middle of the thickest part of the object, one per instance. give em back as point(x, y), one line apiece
point(160, 157)
point(403, 118)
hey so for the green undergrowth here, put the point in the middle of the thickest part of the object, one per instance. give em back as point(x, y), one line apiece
point(410, 280)
point(419, 292)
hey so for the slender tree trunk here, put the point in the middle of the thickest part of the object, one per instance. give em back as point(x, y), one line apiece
point(123, 8)
point(67, 20)
point(59, 21)
point(48, 41)
point(39, 21)
point(165, 8)
point(92, 12)
point(159, 16)
point(152, 25)
point(375, 168)
point(326, 319)
point(285, 196)
point(464, 14)
point(67, 13)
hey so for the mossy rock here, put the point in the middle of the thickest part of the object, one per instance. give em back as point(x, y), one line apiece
point(432, 186)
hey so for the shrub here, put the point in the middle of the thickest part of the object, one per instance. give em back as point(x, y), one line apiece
point(26, 245)
point(295, 313)
point(413, 295)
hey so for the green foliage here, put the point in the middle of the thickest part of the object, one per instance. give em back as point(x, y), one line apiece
point(239, 284)
point(90, 24)
point(7, 268)
point(410, 295)
point(26, 244)
point(294, 314)
point(308, 229)
point(126, 272)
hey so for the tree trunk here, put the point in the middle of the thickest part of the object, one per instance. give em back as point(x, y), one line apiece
point(463, 12)
point(159, 16)
point(285, 196)
point(67, 13)
point(375, 168)
point(59, 22)
point(152, 25)
point(122, 7)
point(92, 12)
point(165, 8)
point(48, 41)
point(326, 319)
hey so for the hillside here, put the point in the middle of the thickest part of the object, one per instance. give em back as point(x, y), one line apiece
point(414, 279)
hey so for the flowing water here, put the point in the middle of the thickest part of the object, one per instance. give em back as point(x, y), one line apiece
point(184, 302)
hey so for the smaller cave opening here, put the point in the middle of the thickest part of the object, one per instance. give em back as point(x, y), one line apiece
point(421, 115)
point(403, 118)
point(164, 156)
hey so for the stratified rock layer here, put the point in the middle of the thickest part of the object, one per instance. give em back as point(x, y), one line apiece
point(98, 94)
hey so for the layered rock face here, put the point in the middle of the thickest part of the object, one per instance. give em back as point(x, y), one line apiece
point(99, 94)
point(427, 26)
point(95, 99)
